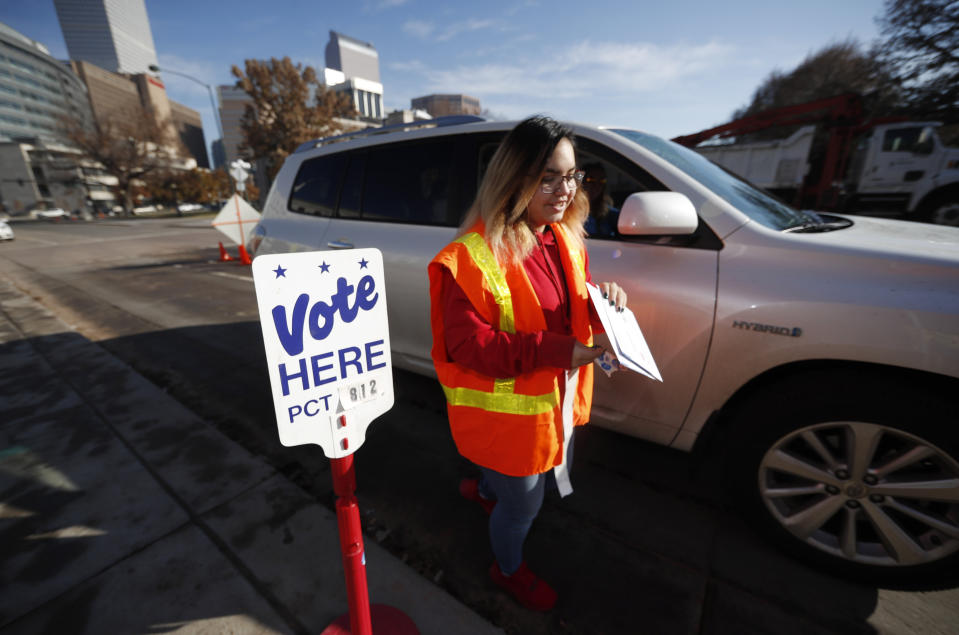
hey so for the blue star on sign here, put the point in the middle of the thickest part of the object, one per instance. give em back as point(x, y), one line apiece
point(363, 263)
point(324, 268)
point(280, 272)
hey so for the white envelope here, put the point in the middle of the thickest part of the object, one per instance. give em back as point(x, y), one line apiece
point(625, 336)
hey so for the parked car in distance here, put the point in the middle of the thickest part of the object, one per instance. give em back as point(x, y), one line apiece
point(6, 232)
point(816, 355)
point(48, 214)
point(190, 207)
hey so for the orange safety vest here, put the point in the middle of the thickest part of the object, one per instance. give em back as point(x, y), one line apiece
point(510, 424)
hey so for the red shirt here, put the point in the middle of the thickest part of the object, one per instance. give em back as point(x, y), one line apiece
point(472, 342)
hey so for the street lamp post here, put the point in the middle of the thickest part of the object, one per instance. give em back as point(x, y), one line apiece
point(216, 113)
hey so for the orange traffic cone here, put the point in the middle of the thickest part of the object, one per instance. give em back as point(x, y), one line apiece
point(225, 257)
point(244, 256)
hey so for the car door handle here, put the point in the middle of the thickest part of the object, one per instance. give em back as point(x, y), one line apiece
point(339, 244)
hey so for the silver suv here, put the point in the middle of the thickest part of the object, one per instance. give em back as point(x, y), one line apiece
point(817, 355)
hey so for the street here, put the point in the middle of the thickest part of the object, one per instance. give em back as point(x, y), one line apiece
point(645, 544)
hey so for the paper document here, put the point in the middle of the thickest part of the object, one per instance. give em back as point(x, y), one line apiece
point(625, 336)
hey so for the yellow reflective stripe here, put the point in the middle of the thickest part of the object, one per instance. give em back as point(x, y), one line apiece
point(506, 403)
point(480, 252)
point(579, 263)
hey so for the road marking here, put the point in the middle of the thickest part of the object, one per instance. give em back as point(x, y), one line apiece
point(39, 240)
point(223, 274)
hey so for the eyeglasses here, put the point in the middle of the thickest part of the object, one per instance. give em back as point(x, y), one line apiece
point(550, 184)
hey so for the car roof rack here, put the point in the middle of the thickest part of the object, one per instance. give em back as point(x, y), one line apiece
point(438, 122)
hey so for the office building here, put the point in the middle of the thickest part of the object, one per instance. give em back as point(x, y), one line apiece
point(366, 95)
point(36, 90)
point(353, 67)
point(443, 105)
point(112, 34)
point(37, 95)
point(189, 129)
point(125, 99)
point(352, 57)
point(233, 102)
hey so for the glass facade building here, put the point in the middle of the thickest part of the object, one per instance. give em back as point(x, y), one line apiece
point(112, 34)
point(36, 90)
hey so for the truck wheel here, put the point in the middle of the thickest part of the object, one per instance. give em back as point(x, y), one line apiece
point(863, 481)
point(944, 211)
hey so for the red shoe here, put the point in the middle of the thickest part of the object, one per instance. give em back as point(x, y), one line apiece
point(469, 489)
point(530, 591)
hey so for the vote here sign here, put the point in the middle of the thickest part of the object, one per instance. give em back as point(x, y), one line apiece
point(327, 342)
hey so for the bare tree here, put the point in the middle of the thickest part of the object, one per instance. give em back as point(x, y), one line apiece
point(833, 70)
point(922, 45)
point(290, 106)
point(127, 146)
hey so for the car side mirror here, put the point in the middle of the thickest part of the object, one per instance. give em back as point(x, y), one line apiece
point(657, 214)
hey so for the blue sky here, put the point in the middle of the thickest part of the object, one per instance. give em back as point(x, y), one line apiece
point(669, 68)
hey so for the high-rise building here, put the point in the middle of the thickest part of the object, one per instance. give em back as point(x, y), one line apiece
point(189, 128)
point(115, 97)
point(352, 57)
point(442, 105)
point(353, 67)
point(366, 95)
point(37, 94)
point(233, 102)
point(112, 34)
point(36, 90)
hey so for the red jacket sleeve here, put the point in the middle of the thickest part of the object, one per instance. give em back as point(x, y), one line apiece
point(474, 343)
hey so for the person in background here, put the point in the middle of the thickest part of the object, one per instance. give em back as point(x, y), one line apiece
point(603, 217)
point(513, 338)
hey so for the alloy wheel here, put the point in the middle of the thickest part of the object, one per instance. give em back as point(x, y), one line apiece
point(864, 492)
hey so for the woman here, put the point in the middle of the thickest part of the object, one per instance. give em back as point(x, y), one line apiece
point(513, 337)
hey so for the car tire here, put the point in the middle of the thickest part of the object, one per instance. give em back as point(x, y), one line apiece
point(854, 471)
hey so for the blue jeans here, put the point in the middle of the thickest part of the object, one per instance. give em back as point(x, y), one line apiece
point(519, 499)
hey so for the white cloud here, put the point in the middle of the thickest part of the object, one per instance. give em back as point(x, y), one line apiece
point(456, 28)
point(372, 7)
point(579, 80)
point(426, 30)
point(586, 68)
point(418, 28)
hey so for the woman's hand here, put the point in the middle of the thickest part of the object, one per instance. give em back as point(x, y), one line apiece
point(583, 354)
point(614, 293)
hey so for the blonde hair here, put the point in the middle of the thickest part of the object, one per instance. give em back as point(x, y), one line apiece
point(511, 181)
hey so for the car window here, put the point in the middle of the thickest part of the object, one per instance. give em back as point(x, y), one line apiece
point(755, 203)
point(901, 139)
point(352, 195)
point(410, 182)
point(317, 185)
point(610, 178)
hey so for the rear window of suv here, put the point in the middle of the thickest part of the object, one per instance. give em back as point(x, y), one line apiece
point(399, 182)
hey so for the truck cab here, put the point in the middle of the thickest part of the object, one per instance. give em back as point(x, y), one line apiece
point(898, 165)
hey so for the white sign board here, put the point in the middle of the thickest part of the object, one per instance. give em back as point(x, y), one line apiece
point(327, 341)
point(237, 219)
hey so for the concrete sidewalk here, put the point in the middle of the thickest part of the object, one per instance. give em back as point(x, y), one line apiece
point(123, 512)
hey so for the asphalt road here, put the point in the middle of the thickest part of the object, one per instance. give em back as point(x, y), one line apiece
point(645, 543)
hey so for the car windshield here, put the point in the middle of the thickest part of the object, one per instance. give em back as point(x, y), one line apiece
point(752, 201)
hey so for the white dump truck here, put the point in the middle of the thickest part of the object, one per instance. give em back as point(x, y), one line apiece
point(842, 163)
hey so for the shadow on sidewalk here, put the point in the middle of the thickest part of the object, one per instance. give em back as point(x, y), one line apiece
point(643, 544)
